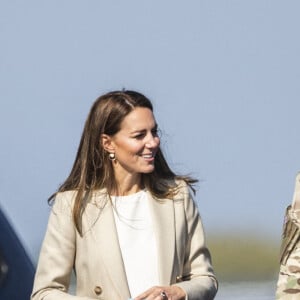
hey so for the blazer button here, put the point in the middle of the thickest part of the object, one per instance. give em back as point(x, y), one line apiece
point(98, 290)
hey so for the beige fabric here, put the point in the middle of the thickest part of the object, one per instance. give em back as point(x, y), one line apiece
point(288, 285)
point(183, 257)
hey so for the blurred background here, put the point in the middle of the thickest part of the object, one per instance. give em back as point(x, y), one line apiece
point(224, 80)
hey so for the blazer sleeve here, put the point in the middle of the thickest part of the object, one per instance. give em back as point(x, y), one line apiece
point(52, 278)
point(198, 279)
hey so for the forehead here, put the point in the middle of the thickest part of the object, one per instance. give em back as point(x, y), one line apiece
point(138, 119)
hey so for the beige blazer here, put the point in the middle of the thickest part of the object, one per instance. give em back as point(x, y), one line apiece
point(96, 257)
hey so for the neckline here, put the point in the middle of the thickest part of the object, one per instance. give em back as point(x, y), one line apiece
point(140, 192)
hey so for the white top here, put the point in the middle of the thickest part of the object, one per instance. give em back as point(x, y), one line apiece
point(137, 241)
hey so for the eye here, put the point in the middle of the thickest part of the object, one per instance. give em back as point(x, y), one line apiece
point(156, 132)
point(139, 136)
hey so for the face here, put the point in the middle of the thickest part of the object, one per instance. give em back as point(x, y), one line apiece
point(136, 143)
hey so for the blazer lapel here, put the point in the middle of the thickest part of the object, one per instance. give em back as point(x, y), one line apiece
point(106, 236)
point(101, 221)
point(163, 221)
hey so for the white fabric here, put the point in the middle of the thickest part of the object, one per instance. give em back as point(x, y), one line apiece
point(137, 241)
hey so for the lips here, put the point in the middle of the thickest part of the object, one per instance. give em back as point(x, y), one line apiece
point(149, 157)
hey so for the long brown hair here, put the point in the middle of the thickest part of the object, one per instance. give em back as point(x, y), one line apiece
point(92, 169)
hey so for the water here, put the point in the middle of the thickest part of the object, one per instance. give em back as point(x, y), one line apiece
point(247, 291)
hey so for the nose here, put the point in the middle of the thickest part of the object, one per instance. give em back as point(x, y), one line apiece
point(152, 141)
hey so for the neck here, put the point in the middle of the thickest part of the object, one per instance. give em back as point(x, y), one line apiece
point(127, 185)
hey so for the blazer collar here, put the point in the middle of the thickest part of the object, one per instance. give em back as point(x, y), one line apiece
point(162, 211)
point(102, 224)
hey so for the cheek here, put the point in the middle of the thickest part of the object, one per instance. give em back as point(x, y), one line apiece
point(131, 148)
point(136, 149)
point(158, 142)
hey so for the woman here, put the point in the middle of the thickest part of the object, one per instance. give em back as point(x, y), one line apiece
point(123, 220)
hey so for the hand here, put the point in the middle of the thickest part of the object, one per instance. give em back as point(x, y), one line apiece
point(172, 292)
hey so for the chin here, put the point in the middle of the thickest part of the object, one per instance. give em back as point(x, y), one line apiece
point(147, 171)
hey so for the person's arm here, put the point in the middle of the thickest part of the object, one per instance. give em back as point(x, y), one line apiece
point(288, 283)
point(52, 278)
point(198, 279)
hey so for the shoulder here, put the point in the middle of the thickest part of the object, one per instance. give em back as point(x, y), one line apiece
point(177, 189)
point(182, 190)
point(185, 195)
point(64, 201)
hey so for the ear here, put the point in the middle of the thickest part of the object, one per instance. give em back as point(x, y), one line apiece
point(107, 143)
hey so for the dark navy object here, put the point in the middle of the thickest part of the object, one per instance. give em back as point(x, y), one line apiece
point(16, 268)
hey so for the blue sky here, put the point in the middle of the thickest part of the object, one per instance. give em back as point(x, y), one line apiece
point(223, 76)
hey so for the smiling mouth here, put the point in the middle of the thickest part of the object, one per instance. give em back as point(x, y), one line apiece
point(151, 155)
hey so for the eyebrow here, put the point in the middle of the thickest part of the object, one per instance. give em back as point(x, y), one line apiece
point(142, 130)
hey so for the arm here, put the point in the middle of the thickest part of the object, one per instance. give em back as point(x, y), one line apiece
point(57, 255)
point(288, 284)
point(198, 279)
